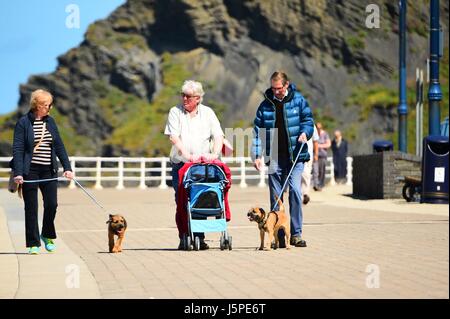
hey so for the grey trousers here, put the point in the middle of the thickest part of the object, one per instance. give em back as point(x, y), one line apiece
point(322, 165)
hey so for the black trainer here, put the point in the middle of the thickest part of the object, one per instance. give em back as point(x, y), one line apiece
point(203, 245)
point(298, 241)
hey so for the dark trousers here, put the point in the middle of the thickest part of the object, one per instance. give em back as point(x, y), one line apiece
point(30, 198)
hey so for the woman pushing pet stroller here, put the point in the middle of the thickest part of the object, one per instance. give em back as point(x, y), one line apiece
point(192, 127)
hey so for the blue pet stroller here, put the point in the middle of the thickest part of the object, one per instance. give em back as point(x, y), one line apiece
point(205, 184)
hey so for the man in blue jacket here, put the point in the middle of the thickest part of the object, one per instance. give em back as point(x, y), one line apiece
point(283, 123)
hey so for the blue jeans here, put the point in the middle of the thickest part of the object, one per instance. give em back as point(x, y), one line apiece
point(279, 171)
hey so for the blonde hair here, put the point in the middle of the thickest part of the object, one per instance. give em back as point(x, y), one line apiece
point(36, 96)
point(193, 87)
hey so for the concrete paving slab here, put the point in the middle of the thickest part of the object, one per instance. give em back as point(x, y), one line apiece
point(356, 249)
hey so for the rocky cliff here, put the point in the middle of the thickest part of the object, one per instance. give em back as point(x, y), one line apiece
point(113, 92)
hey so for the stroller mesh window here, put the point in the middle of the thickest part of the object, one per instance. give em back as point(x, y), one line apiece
point(207, 199)
point(206, 174)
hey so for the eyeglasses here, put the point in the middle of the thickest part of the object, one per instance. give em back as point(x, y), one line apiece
point(189, 97)
point(278, 88)
point(45, 105)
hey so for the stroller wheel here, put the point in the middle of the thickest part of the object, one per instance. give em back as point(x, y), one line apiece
point(196, 243)
point(188, 243)
point(222, 242)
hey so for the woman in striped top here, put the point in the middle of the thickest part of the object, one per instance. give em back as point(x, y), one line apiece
point(36, 146)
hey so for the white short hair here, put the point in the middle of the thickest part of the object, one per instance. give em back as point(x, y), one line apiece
point(191, 87)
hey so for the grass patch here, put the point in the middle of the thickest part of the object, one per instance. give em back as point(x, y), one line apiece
point(368, 97)
point(356, 42)
point(326, 118)
point(101, 34)
point(6, 134)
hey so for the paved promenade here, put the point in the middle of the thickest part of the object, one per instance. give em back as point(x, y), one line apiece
point(356, 249)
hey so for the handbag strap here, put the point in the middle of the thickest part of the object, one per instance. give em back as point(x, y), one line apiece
point(42, 137)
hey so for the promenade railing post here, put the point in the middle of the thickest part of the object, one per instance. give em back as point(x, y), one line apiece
point(142, 183)
point(243, 183)
point(331, 166)
point(349, 170)
point(163, 184)
point(98, 174)
point(120, 174)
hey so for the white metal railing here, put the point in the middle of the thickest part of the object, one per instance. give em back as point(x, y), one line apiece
point(155, 171)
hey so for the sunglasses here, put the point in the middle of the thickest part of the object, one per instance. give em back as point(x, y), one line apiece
point(188, 96)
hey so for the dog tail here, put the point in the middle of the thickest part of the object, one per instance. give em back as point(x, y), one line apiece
point(280, 203)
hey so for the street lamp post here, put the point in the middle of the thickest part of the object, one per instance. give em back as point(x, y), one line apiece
point(434, 89)
point(402, 109)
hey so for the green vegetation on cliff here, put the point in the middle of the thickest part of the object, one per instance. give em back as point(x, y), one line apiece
point(138, 125)
point(369, 98)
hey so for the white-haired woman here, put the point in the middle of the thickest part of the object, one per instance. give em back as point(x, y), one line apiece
point(191, 127)
point(36, 145)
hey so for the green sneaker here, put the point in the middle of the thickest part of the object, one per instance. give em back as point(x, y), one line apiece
point(49, 244)
point(33, 250)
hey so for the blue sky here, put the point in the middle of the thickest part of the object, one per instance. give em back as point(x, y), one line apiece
point(35, 33)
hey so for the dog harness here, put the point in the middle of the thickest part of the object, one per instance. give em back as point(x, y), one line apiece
point(263, 222)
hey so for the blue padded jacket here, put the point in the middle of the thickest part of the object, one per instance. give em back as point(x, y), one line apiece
point(298, 119)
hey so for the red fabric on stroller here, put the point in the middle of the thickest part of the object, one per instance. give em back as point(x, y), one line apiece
point(181, 214)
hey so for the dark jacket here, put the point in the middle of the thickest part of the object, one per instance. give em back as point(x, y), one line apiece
point(340, 158)
point(23, 145)
point(298, 119)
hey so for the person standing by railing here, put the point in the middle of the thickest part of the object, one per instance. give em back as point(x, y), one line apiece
point(191, 128)
point(36, 145)
point(339, 147)
point(321, 166)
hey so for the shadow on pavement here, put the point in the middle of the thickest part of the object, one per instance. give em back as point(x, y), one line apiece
point(355, 196)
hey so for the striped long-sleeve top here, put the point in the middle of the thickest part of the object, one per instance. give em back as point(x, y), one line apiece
point(42, 155)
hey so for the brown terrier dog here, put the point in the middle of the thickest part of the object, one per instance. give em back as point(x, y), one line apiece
point(271, 223)
point(117, 225)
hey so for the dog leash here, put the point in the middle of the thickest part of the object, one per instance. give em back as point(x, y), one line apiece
point(87, 193)
point(43, 180)
point(287, 178)
point(65, 179)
